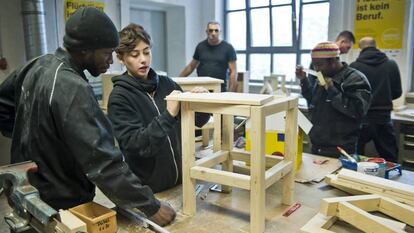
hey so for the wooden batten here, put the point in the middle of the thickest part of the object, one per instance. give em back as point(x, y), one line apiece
point(319, 224)
point(329, 206)
point(277, 171)
point(210, 161)
point(221, 177)
point(363, 220)
point(271, 160)
point(238, 110)
point(355, 211)
point(389, 185)
point(372, 188)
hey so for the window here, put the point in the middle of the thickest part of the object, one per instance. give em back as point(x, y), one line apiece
point(272, 36)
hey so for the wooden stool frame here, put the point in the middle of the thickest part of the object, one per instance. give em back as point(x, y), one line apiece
point(259, 178)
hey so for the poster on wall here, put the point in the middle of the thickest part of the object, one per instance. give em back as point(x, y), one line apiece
point(72, 5)
point(381, 19)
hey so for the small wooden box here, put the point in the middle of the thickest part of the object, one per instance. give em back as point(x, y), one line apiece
point(98, 218)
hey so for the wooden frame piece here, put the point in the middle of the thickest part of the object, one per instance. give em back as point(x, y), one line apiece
point(354, 182)
point(354, 210)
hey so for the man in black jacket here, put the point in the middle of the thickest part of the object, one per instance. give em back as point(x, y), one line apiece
point(384, 77)
point(59, 125)
point(337, 106)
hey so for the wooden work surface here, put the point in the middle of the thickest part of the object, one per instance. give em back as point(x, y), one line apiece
point(227, 213)
point(196, 80)
point(223, 98)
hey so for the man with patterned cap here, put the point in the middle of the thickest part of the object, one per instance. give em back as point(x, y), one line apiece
point(336, 107)
point(59, 125)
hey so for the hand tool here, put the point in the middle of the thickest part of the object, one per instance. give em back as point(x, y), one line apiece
point(342, 151)
point(141, 220)
point(28, 210)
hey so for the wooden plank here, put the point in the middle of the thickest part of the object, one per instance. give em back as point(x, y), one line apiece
point(390, 222)
point(196, 80)
point(329, 206)
point(279, 104)
point(390, 185)
point(291, 128)
point(374, 190)
point(217, 132)
point(227, 144)
point(257, 174)
point(331, 179)
point(377, 190)
point(212, 160)
point(188, 153)
point(363, 220)
point(223, 98)
point(271, 160)
point(397, 210)
point(277, 171)
point(319, 224)
point(221, 177)
point(238, 110)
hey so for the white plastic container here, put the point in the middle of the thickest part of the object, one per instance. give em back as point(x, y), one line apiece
point(368, 168)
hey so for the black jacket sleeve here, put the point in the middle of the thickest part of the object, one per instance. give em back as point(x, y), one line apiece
point(7, 104)
point(89, 136)
point(395, 81)
point(352, 97)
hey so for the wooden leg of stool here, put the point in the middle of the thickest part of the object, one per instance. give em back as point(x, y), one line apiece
point(228, 138)
point(205, 136)
point(188, 150)
point(291, 135)
point(257, 174)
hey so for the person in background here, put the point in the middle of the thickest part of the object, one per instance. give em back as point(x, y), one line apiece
point(338, 106)
point(384, 76)
point(146, 126)
point(345, 40)
point(60, 126)
point(215, 58)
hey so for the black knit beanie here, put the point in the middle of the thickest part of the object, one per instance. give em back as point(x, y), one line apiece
point(90, 28)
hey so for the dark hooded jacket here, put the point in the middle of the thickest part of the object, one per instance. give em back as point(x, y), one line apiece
point(384, 76)
point(60, 126)
point(336, 113)
point(148, 135)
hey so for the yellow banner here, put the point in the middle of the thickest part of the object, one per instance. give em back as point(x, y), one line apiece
point(381, 19)
point(72, 5)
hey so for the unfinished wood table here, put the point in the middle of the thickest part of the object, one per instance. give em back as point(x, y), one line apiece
point(213, 85)
point(257, 107)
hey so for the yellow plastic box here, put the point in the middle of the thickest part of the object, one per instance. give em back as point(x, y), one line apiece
point(98, 218)
point(275, 144)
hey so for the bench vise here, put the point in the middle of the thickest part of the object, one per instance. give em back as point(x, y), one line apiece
point(29, 213)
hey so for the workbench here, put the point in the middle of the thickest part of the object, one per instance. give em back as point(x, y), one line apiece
point(227, 213)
